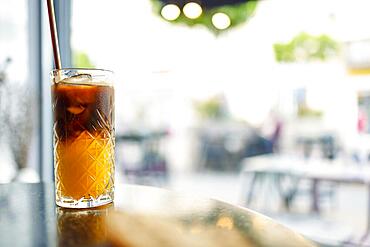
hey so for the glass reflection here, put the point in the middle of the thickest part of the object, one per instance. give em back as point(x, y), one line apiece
point(225, 222)
point(82, 227)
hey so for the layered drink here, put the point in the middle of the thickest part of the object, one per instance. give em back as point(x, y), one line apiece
point(83, 107)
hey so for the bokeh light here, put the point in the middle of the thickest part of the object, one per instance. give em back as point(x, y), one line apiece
point(192, 10)
point(170, 12)
point(221, 21)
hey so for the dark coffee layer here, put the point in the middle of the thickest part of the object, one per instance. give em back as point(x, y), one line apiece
point(82, 107)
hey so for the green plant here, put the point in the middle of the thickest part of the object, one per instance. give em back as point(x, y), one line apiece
point(306, 47)
point(308, 112)
point(212, 108)
point(81, 60)
point(238, 14)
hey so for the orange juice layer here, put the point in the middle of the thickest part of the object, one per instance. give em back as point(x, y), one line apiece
point(84, 166)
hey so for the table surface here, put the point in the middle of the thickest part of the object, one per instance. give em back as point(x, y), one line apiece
point(29, 217)
point(311, 169)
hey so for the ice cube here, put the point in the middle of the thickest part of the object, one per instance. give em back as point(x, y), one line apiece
point(76, 109)
point(78, 79)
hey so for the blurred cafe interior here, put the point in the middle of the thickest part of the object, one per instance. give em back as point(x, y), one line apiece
point(259, 104)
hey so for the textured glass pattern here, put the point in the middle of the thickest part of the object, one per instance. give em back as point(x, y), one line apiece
point(83, 141)
point(84, 167)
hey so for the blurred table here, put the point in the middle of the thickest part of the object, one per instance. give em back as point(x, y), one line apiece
point(29, 217)
point(316, 170)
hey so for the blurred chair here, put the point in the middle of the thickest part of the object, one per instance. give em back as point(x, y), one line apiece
point(224, 145)
point(326, 145)
point(151, 168)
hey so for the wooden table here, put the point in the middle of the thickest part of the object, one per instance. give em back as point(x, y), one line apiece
point(29, 217)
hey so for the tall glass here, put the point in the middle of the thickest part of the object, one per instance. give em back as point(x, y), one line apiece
point(83, 109)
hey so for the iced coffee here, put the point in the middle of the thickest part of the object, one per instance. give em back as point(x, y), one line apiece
point(83, 111)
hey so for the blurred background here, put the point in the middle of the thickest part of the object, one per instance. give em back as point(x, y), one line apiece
point(264, 104)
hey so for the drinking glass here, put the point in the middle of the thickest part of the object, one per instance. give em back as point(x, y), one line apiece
point(83, 133)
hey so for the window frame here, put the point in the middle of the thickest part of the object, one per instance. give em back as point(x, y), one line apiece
point(40, 64)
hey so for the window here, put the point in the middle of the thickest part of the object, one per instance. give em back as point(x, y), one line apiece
point(18, 101)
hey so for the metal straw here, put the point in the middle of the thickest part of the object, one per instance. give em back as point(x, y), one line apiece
point(54, 34)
